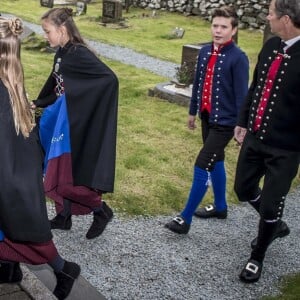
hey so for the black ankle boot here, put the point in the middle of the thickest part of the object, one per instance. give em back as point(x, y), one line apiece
point(61, 222)
point(107, 210)
point(10, 272)
point(101, 219)
point(65, 279)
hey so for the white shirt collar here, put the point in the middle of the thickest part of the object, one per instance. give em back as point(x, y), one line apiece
point(291, 42)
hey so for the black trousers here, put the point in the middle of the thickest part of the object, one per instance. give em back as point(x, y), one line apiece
point(215, 139)
point(278, 167)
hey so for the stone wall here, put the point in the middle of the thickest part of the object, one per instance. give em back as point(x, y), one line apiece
point(252, 13)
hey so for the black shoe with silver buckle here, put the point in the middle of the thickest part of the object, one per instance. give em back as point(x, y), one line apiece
point(210, 211)
point(281, 231)
point(178, 225)
point(251, 272)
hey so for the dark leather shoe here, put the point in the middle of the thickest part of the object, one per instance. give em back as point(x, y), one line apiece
point(178, 225)
point(10, 272)
point(209, 211)
point(100, 221)
point(61, 222)
point(251, 272)
point(281, 231)
point(65, 279)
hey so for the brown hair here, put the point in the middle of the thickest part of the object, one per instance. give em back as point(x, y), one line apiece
point(227, 12)
point(63, 17)
point(12, 75)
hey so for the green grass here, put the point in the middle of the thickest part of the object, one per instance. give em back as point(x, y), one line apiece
point(144, 34)
point(290, 289)
point(155, 150)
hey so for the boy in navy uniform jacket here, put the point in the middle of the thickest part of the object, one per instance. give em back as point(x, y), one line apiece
point(219, 89)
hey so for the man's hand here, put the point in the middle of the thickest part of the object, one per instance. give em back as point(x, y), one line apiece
point(239, 134)
point(191, 122)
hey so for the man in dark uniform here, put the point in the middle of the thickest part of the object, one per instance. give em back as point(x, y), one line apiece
point(268, 130)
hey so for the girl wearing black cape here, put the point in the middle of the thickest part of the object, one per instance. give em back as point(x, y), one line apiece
point(78, 126)
point(25, 234)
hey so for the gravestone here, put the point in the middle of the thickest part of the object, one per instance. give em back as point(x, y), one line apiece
point(177, 33)
point(47, 3)
point(111, 11)
point(189, 57)
point(80, 8)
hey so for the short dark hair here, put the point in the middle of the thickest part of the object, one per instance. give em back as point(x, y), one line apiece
point(290, 8)
point(227, 12)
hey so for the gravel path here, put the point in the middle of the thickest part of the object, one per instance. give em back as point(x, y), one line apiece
point(126, 56)
point(139, 259)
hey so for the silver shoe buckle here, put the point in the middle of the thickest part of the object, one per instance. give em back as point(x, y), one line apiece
point(251, 267)
point(179, 220)
point(209, 207)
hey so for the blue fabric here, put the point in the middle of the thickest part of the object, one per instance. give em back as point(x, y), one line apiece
point(55, 130)
point(1, 235)
point(218, 179)
point(198, 190)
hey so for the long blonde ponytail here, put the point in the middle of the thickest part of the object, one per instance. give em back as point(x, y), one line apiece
point(12, 75)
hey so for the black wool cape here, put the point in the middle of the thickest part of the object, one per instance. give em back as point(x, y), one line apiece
point(23, 212)
point(91, 90)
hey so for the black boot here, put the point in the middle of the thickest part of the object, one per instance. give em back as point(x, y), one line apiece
point(65, 279)
point(101, 219)
point(61, 222)
point(252, 270)
point(107, 210)
point(10, 272)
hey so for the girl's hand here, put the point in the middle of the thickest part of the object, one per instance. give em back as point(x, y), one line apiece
point(32, 105)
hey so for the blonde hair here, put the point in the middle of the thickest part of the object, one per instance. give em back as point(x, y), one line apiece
point(12, 74)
